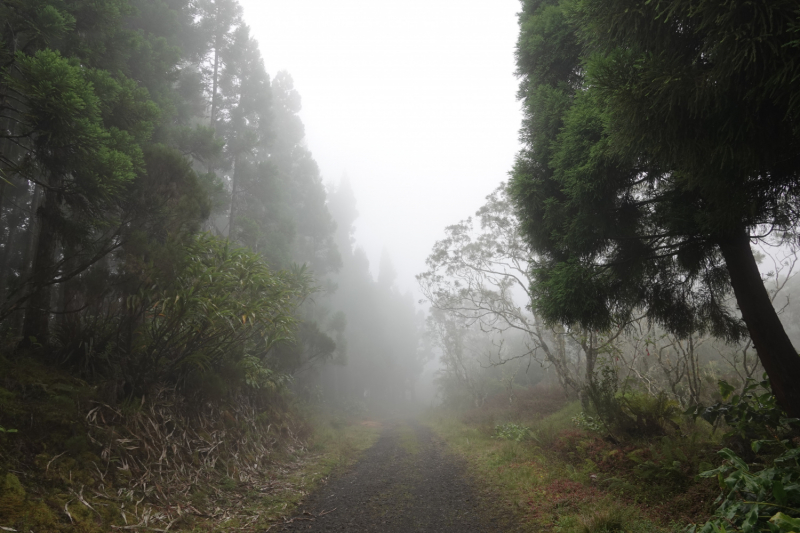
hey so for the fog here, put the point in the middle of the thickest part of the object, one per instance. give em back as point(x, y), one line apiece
point(414, 101)
point(328, 144)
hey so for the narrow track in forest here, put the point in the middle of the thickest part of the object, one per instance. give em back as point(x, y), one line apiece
point(407, 482)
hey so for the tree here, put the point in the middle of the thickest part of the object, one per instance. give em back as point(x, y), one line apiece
point(217, 25)
point(660, 138)
point(305, 197)
point(243, 115)
point(481, 277)
point(81, 165)
point(460, 370)
point(383, 349)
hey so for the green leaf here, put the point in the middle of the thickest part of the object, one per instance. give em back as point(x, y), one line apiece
point(751, 521)
point(779, 493)
point(735, 459)
point(725, 389)
point(785, 522)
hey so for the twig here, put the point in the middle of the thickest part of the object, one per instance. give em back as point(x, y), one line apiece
point(66, 510)
point(51, 460)
point(83, 500)
point(142, 526)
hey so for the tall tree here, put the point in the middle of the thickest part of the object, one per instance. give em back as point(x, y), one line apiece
point(84, 89)
point(81, 163)
point(660, 138)
point(478, 275)
point(218, 21)
point(245, 103)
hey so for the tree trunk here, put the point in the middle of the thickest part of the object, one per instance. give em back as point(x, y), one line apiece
point(33, 227)
point(37, 314)
point(234, 186)
point(4, 221)
point(5, 260)
point(214, 99)
point(771, 342)
point(214, 87)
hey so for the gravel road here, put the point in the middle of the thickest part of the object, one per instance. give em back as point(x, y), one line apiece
point(407, 482)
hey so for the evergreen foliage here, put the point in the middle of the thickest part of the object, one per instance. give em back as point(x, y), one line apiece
point(127, 127)
point(162, 221)
point(659, 138)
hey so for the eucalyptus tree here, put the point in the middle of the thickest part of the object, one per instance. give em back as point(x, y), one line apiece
point(460, 369)
point(480, 273)
point(659, 140)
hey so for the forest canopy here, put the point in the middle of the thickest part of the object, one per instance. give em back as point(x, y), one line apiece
point(162, 220)
point(659, 140)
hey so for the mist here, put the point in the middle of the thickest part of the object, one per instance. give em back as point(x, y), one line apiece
point(415, 102)
point(399, 265)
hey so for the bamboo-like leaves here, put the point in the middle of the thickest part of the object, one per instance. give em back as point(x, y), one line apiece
point(226, 306)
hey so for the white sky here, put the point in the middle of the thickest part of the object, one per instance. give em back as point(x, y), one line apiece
point(415, 100)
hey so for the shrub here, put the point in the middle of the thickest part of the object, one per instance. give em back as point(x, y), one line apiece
point(515, 432)
point(764, 495)
point(208, 326)
point(586, 422)
point(765, 500)
point(628, 413)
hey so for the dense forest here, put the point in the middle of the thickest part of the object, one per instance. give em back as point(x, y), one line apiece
point(187, 323)
point(167, 245)
point(163, 220)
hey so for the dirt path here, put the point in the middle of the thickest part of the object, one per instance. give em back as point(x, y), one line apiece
point(406, 482)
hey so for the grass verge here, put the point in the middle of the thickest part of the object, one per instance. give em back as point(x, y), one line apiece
point(334, 445)
point(559, 478)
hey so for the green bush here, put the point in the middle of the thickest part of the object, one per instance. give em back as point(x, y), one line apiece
point(586, 422)
point(515, 432)
point(629, 412)
point(763, 495)
point(752, 414)
point(763, 500)
point(206, 324)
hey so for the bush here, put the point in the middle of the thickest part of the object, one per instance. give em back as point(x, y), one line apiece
point(629, 413)
point(515, 432)
point(765, 500)
point(763, 495)
point(208, 326)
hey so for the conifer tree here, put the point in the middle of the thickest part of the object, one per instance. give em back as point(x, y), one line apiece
point(660, 138)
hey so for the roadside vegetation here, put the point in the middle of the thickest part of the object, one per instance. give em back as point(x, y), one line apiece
point(71, 462)
point(630, 427)
point(557, 470)
point(559, 476)
point(642, 256)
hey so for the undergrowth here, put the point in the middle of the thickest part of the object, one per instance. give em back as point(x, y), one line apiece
point(560, 476)
point(76, 463)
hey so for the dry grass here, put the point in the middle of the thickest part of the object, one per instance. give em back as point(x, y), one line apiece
point(163, 465)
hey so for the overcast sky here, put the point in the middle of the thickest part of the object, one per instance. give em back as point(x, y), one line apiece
point(414, 100)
